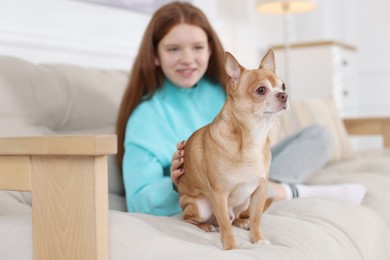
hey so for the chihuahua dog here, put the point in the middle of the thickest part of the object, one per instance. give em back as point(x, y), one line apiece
point(227, 162)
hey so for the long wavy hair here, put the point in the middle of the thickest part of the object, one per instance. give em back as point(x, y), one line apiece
point(146, 77)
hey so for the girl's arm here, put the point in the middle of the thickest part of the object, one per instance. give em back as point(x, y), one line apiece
point(148, 189)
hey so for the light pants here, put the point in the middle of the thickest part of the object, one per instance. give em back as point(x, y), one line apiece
point(297, 157)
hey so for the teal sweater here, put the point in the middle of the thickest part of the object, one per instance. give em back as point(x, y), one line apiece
point(152, 132)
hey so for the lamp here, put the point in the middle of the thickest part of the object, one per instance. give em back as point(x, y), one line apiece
point(285, 8)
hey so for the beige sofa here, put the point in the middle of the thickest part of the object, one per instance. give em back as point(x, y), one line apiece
point(62, 100)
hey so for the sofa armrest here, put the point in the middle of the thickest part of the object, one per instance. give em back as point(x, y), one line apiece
point(67, 176)
point(369, 126)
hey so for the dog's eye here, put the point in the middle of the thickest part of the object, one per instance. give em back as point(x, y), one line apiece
point(261, 90)
point(284, 87)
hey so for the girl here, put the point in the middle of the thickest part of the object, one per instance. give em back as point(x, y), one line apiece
point(177, 86)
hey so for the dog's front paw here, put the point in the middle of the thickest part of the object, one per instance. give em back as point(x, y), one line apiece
point(230, 246)
point(229, 243)
point(262, 242)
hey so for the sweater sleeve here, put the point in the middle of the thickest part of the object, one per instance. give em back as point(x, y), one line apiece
point(147, 189)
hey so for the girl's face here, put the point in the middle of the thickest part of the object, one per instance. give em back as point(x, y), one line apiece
point(184, 54)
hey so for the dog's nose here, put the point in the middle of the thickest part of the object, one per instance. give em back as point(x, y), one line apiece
point(282, 96)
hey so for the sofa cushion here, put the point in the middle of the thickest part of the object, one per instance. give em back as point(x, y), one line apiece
point(303, 113)
point(58, 99)
point(370, 168)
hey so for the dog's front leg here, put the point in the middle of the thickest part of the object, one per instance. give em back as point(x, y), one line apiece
point(221, 212)
point(256, 208)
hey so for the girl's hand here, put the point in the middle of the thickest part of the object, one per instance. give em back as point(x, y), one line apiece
point(177, 163)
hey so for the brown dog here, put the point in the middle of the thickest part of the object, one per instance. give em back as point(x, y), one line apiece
point(227, 162)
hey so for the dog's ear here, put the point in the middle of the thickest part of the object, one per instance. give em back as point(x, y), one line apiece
point(268, 61)
point(232, 67)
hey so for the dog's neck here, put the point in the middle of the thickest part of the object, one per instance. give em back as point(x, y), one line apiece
point(241, 132)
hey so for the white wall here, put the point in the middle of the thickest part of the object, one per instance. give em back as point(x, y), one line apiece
point(331, 20)
point(70, 31)
point(237, 24)
point(373, 41)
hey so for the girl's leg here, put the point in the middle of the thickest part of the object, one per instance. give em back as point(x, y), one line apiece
point(297, 157)
point(352, 192)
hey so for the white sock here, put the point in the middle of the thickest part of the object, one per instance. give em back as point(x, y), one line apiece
point(288, 190)
point(352, 192)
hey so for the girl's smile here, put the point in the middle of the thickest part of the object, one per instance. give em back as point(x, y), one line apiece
point(186, 73)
